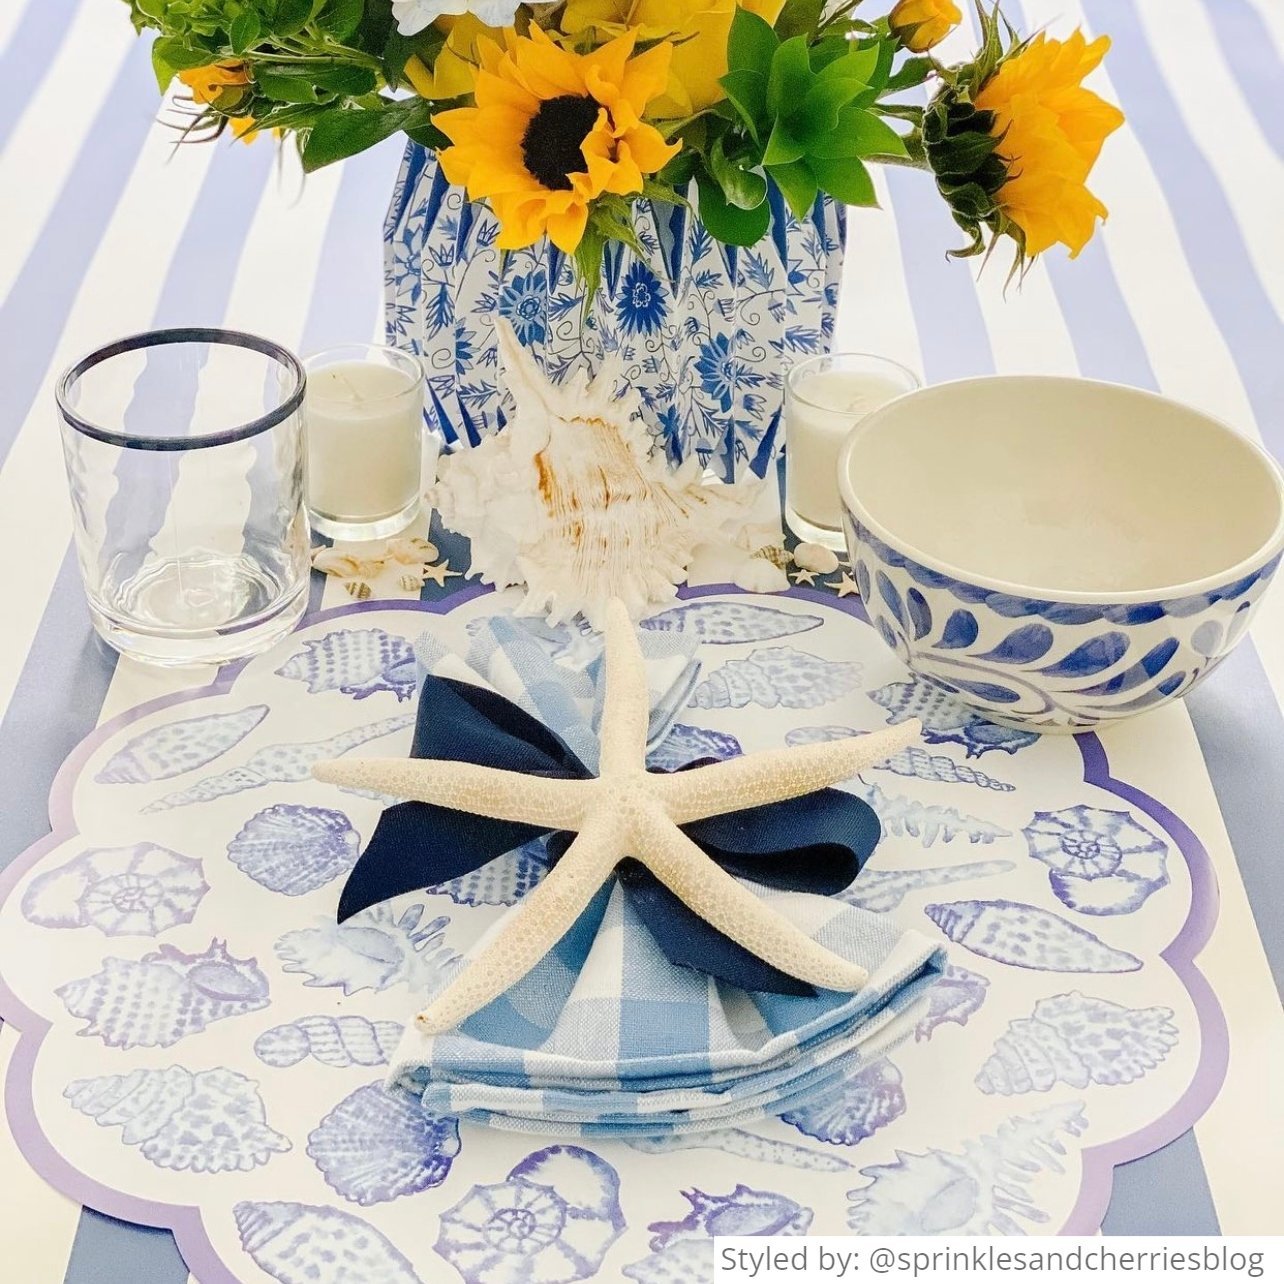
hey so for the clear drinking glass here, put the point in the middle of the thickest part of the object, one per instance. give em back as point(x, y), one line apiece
point(184, 452)
point(365, 411)
point(825, 398)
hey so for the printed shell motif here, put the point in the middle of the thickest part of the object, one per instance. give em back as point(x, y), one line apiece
point(312, 1244)
point(1099, 862)
point(863, 1104)
point(726, 623)
point(1026, 936)
point(552, 1221)
point(211, 1121)
point(945, 720)
point(956, 995)
point(122, 891)
point(355, 662)
point(1077, 1039)
point(777, 676)
point(342, 1041)
point(176, 747)
point(914, 761)
point(293, 849)
point(570, 501)
point(163, 997)
point(377, 1145)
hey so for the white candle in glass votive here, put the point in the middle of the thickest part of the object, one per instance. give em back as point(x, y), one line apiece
point(826, 397)
point(365, 441)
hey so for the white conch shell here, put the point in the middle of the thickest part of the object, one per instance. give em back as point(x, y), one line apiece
point(570, 501)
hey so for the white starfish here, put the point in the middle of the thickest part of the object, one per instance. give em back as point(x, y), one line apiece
point(627, 811)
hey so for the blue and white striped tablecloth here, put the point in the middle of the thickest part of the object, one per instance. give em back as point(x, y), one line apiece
point(105, 228)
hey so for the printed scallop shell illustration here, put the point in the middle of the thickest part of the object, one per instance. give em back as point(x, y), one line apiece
point(947, 721)
point(122, 891)
point(552, 1221)
point(982, 1189)
point(864, 1103)
point(571, 501)
point(685, 744)
point(349, 1040)
point(1077, 1040)
point(355, 662)
point(317, 1244)
point(502, 881)
point(1026, 936)
point(777, 676)
point(293, 849)
point(726, 623)
point(914, 761)
point(377, 1145)
point(175, 747)
point(163, 997)
point(210, 1121)
point(956, 995)
point(1099, 861)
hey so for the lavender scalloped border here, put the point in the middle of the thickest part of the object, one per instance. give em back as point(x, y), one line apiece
point(185, 1221)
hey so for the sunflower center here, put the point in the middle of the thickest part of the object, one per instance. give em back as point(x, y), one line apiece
point(551, 145)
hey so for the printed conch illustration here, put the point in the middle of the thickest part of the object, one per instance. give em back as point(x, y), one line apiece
point(317, 1244)
point(176, 747)
point(956, 995)
point(571, 501)
point(726, 623)
point(355, 662)
point(864, 1103)
point(980, 1190)
point(882, 890)
point(163, 997)
point(777, 676)
point(928, 822)
point(912, 761)
point(1026, 936)
point(746, 1144)
point(1077, 1039)
point(554, 1218)
point(946, 721)
point(122, 891)
point(293, 849)
point(342, 1041)
point(210, 1121)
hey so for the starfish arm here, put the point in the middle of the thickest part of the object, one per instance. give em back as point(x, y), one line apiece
point(626, 705)
point(487, 791)
point(735, 911)
point(760, 778)
point(540, 920)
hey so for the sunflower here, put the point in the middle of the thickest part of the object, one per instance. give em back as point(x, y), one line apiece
point(554, 130)
point(220, 79)
point(921, 24)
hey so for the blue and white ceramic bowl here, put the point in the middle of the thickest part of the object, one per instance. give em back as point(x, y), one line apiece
point(1058, 553)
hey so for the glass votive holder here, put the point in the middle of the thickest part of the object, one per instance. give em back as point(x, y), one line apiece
point(825, 398)
point(184, 453)
point(365, 412)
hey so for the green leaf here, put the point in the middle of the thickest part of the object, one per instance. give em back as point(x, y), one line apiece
point(845, 180)
point(821, 110)
point(346, 131)
point(728, 223)
point(799, 18)
point(340, 18)
point(870, 135)
point(292, 16)
point(790, 76)
point(961, 155)
point(912, 72)
point(245, 31)
point(171, 55)
point(798, 184)
point(751, 44)
point(784, 146)
point(284, 84)
point(859, 64)
point(742, 187)
point(747, 92)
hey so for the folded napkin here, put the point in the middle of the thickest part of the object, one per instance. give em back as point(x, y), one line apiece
point(607, 1036)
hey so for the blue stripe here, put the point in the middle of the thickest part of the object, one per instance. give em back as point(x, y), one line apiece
point(1142, 1201)
point(107, 1251)
point(1254, 60)
point(27, 57)
point(35, 311)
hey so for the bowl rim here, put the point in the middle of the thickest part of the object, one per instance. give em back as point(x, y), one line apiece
point(1163, 592)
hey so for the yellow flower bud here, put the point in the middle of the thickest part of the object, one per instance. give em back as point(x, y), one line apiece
point(920, 24)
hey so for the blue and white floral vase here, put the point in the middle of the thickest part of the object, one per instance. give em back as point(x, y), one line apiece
point(704, 331)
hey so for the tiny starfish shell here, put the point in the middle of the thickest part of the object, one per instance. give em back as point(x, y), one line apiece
point(627, 811)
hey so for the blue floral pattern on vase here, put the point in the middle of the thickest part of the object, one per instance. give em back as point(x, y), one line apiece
point(1038, 664)
point(702, 330)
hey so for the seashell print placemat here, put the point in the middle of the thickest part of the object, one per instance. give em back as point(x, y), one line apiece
point(201, 1044)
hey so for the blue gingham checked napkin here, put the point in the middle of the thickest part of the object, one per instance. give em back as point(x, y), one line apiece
point(606, 1036)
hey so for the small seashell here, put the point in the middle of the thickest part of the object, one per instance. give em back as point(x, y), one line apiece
point(378, 1144)
point(342, 1041)
point(412, 581)
point(409, 549)
point(358, 589)
point(758, 575)
point(176, 747)
point(864, 1103)
point(210, 1121)
point(330, 561)
point(816, 557)
point(1026, 936)
point(773, 553)
point(356, 662)
point(122, 891)
point(293, 849)
point(777, 676)
point(316, 1244)
point(725, 623)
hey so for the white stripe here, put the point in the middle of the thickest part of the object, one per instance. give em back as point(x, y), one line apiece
point(1236, 1138)
point(1225, 130)
point(11, 13)
point(43, 146)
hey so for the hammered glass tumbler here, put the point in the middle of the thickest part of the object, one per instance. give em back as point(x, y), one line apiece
point(184, 453)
